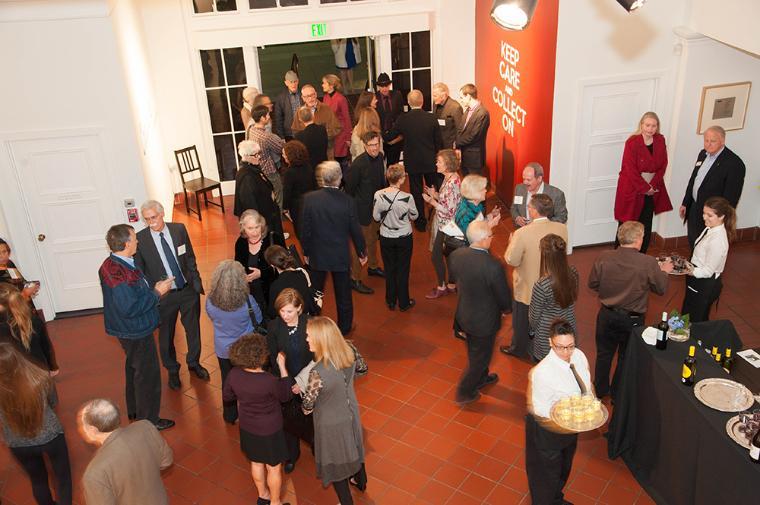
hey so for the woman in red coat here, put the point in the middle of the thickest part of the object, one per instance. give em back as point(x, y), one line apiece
point(641, 191)
point(334, 99)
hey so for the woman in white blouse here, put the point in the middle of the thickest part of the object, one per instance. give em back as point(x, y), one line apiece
point(704, 284)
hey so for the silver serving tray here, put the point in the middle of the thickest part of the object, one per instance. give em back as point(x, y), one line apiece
point(732, 429)
point(724, 395)
point(580, 427)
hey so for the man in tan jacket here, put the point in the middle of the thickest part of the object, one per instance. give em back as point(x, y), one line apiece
point(323, 115)
point(126, 469)
point(524, 254)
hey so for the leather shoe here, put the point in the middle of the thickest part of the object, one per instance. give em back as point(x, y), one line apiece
point(362, 288)
point(174, 382)
point(376, 272)
point(491, 378)
point(200, 372)
point(436, 292)
point(460, 335)
point(163, 424)
point(289, 467)
point(508, 350)
point(412, 303)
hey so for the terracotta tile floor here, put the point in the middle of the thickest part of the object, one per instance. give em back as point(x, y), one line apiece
point(421, 448)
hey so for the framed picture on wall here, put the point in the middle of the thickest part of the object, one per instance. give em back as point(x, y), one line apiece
point(724, 105)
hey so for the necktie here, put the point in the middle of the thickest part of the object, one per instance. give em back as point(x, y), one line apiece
point(466, 116)
point(703, 235)
point(578, 379)
point(179, 281)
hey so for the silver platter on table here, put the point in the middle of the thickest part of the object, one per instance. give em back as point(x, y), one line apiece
point(724, 395)
point(732, 428)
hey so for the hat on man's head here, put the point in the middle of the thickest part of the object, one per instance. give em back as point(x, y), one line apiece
point(383, 79)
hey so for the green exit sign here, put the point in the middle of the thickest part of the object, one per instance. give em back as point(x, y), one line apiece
point(318, 30)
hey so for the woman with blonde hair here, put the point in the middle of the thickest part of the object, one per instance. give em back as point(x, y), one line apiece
point(233, 312)
point(250, 248)
point(330, 396)
point(704, 282)
point(471, 208)
point(31, 429)
point(333, 98)
point(367, 120)
point(641, 191)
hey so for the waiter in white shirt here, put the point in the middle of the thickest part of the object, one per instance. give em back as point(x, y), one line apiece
point(704, 284)
point(549, 449)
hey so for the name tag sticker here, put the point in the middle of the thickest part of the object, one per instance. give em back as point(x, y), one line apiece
point(518, 200)
point(442, 122)
point(699, 163)
point(181, 250)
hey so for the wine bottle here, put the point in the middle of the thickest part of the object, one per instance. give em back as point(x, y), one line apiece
point(662, 334)
point(689, 368)
point(728, 361)
point(754, 448)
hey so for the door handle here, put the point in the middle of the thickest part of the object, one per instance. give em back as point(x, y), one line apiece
point(41, 237)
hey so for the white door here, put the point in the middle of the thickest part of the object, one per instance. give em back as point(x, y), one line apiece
point(66, 194)
point(609, 113)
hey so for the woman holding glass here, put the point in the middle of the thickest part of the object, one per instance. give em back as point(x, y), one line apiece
point(250, 249)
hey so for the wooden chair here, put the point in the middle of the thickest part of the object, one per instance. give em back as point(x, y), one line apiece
point(188, 163)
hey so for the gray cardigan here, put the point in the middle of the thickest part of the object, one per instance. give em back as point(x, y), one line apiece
point(395, 209)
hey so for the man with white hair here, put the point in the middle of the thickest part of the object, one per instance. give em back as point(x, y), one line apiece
point(329, 223)
point(483, 295)
point(533, 184)
point(164, 251)
point(717, 172)
point(126, 468)
point(285, 106)
point(448, 112)
point(249, 95)
point(323, 115)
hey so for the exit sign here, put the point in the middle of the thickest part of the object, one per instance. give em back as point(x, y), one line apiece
point(318, 30)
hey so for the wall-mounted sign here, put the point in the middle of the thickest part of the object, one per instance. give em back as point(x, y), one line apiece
point(318, 30)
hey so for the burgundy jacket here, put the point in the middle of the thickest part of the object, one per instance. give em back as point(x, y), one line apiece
point(631, 187)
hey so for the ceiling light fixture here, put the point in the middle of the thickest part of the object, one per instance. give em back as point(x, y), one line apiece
point(513, 14)
point(631, 5)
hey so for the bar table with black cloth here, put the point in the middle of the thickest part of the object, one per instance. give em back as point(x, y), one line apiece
point(675, 446)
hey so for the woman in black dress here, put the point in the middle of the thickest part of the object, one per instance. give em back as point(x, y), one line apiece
point(287, 334)
point(297, 179)
point(250, 248)
point(259, 395)
point(289, 276)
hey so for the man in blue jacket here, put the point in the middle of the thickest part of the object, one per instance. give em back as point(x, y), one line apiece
point(130, 313)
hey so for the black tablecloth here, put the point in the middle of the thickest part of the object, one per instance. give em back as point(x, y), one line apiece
point(675, 446)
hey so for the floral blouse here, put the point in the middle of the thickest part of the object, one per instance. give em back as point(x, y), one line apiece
point(314, 386)
point(448, 198)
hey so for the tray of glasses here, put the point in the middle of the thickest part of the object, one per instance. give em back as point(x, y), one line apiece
point(724, 395)
point(579, 413)
point(681, 265)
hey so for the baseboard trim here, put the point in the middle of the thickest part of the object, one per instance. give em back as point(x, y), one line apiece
point(742, 235)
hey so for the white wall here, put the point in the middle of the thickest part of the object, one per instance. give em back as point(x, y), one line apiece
point(597, 39)
point(707, 62)
point(58, 75)
point(174, 35)
point(734, 22)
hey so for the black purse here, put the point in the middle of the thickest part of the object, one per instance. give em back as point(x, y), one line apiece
point(452, 243)
point(257, 327)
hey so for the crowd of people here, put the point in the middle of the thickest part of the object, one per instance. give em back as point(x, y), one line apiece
point(288, 372)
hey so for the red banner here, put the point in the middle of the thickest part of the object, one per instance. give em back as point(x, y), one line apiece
point(514, 73)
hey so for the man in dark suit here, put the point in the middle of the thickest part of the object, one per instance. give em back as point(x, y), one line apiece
point(471, 139)
point(533, 184)
point(717, 172)
point(313, 136)
point(422, 141)
point(285, 107)
point(390, 105)
point(483, 296)
point(448, 112)
point(164, 250)
point(329, 223)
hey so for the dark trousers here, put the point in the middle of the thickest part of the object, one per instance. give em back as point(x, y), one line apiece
point(613, 329)
point(695, 224)
point(392, 152)
point(397, 258)
point(479, 352)
point(645, 218)
point(439, 262)
point(229, 408)
point(32, 460)
point(700, 295)
point(343, 489)
point(143, 377)
point(186, 303)
point(548, 460)
point(415, 188)
point(520, 328)
point(343, 302)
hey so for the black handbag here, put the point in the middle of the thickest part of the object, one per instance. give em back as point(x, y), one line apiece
point(257, 327)
point(452, 243)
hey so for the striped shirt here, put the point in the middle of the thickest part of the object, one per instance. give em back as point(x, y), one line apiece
point(544, 310)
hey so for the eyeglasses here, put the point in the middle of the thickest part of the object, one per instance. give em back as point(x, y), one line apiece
point(570, 347)
point(374, 144)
